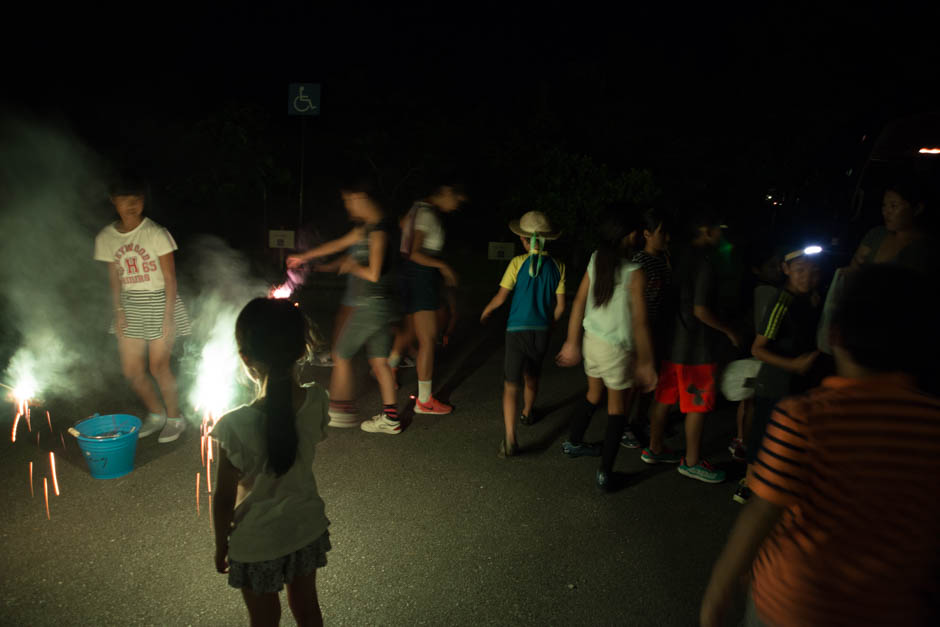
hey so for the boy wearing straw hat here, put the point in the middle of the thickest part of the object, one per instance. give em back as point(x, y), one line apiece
point(537, 284)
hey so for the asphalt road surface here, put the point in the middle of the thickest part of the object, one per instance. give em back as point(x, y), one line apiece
point(429, 527)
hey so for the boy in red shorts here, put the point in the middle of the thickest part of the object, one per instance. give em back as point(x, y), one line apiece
point(687, 376)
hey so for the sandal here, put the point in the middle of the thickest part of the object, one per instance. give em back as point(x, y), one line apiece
point(507, 450)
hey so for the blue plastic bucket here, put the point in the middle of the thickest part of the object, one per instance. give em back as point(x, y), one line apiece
point(112, 455)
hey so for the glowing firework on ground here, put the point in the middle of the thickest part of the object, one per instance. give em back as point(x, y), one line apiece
point(22, 392)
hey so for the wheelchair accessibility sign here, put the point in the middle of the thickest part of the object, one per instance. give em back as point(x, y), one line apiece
point(303, 99)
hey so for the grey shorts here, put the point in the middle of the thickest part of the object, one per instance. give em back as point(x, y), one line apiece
point(369, 325)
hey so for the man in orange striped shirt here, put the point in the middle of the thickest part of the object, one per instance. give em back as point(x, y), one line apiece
point(844, 524)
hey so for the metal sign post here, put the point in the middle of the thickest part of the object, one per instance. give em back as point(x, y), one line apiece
point(303, 99)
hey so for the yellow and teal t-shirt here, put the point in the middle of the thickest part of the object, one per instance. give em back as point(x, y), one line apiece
point(533, 298)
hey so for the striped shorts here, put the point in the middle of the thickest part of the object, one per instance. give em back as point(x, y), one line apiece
point(144, 310)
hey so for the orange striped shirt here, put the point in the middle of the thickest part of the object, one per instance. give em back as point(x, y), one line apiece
point(856, 463)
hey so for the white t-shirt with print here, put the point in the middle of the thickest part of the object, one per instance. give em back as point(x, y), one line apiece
point(428, 222)
point(274, 516)
point(137, 253)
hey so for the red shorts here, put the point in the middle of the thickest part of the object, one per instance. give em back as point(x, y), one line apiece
point(692, 386)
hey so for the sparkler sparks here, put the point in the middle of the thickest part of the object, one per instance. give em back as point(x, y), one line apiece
point(49, 420)
point(281, 291)
point(45, 489)
point(55, 479)
point(197, 494)
point(31, 493)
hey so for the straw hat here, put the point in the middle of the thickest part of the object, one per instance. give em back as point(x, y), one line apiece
point(534, 223)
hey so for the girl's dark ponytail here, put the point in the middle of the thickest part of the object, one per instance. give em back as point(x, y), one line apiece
point(272, 336)
point(279, 421)
point(616, 223)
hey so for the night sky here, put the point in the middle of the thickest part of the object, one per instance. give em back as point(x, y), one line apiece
point(712, 98)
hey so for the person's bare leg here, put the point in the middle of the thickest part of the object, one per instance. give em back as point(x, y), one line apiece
point(342, 315)
point(303, 602)
point(160, 351)
point(404, 337)
point(510, 394)
point(383, 374)
point(694, 425)
point(134, 366)
point(658, 414)
point(531, 389)
point(595, 391)
point(426, 330)
point(341, 379)
point(264, 610)
point(745, 411)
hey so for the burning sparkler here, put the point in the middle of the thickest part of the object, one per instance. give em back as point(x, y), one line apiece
point(281, 291)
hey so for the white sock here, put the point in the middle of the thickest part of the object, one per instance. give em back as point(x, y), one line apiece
point(424, 391)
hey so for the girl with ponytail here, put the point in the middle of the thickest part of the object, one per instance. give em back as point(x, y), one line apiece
point(610, 310)
point(270, 523)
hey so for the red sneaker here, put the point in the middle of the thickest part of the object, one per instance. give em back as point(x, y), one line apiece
point(433, 406)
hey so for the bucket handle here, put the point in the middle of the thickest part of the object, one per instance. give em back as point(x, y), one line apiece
point(76, 433)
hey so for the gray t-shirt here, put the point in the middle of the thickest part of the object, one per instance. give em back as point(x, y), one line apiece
point(694, 342)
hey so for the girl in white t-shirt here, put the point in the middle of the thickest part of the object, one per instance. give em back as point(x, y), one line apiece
point(270, 523)
point(611, 309)
point(422, 269)
point(148, 312)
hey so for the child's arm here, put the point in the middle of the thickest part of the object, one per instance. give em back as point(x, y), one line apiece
point(450, 277)
point(645, 361)
point(495, 304)
point(378, 240)
point(223, 508)
point(708, 317)
point(559, 306)
point(114, 278)
point(168, 265)
point(570, 353)
point(324, 250)
point(800, 365)
point(751, 529)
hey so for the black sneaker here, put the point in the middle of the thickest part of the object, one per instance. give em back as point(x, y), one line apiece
point(527, 420)
point(602, 479)
point(743, 493)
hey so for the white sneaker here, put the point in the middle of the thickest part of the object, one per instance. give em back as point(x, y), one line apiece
point(381, 424)
point(151, 424)
point(174, 427)
point(342, 419)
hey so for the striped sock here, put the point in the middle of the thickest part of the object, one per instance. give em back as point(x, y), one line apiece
point(391, 411)
point(345, 407)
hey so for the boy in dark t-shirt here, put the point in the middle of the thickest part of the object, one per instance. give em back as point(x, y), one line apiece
point(786, 344)
point(687, 376)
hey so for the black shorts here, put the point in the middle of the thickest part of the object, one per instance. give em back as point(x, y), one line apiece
point(420, 287)
point(525, 352)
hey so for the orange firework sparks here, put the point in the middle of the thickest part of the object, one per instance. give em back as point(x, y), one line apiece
point(197, 494)
point(208, 480)
point(29, 424)
point(16, 421)
point(62, 437)
point(55, 479)
point(45, 489)
point(49, 420)
point(31, 493)
point(280, 292)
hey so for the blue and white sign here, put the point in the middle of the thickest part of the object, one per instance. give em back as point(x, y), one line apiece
point(303, 99)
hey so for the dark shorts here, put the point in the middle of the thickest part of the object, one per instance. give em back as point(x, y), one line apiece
point(525, 352)
point(693, 387)
point(763, 409)
point(420, 287)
